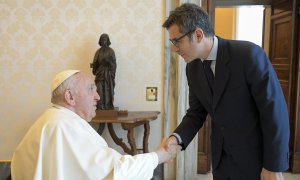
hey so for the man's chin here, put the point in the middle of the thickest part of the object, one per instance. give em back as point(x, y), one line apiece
point(90, 119)
point(185, 59)
point(188, 60)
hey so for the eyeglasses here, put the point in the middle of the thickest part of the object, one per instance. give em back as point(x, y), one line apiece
point(176, 41)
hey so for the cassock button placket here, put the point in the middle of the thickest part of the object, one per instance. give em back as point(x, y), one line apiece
point(209, 74)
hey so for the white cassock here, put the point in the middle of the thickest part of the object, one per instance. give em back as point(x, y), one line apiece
point(62, 145)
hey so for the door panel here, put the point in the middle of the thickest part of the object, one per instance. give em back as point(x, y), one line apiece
point(280, 54)
point(283, 41)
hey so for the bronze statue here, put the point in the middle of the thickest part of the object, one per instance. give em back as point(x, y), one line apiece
point(104, 68)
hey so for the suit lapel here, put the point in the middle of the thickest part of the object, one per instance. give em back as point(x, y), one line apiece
point(222, 72)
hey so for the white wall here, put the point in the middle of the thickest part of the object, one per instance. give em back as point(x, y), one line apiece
point(250, 24)
point(40, 38)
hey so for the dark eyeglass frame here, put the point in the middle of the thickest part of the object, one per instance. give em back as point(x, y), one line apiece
point(176, 41)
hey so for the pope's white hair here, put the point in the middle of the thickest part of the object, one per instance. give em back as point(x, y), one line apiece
point(58, 93)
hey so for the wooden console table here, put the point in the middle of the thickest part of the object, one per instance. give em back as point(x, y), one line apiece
point(129, 122)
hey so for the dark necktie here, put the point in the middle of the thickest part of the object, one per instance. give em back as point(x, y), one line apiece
point(209, 74)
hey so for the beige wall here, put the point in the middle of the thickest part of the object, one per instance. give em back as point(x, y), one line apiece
point(225, 22)
point(41, 38)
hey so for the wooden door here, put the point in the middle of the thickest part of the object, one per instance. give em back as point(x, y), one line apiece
point(283, 55)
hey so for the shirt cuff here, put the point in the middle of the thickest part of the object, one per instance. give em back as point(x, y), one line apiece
point(179, 141)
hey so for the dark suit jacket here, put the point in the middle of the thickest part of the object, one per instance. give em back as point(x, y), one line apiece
point(248, 109)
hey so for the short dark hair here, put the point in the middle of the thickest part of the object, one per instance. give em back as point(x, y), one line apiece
point(188, 17)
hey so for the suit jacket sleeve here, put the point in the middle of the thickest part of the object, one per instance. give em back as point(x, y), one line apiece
point(273, 114)
point(192, 121)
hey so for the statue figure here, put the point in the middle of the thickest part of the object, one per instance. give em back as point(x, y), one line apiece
point(104, 68)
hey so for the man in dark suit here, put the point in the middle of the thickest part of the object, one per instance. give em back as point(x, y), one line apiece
point(235, 83)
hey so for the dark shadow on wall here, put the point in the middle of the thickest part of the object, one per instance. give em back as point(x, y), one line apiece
point(5, 170)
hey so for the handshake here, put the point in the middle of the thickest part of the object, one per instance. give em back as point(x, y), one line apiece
point(167, 150)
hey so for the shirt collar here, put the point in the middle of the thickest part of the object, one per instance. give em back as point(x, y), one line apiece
point(214, 50)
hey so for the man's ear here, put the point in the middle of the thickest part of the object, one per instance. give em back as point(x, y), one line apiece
point(199, 34)
point(69, 97)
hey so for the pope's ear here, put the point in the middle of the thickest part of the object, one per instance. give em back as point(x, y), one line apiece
point(69, 97)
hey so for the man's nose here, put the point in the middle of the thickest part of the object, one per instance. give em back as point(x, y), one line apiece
point(97, 97)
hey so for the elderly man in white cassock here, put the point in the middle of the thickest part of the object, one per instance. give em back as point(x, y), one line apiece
point(62, 145)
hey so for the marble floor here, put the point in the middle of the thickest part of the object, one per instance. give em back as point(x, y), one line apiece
point(287, 176)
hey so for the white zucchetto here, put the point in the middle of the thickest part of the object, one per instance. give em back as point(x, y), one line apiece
point(61, 77)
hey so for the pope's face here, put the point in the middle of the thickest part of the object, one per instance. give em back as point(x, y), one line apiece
point(86, 97)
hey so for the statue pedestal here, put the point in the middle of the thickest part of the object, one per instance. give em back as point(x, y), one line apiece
point(111, 113)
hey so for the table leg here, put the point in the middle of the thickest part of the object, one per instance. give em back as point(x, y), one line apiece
point(131, 141)
point(101, 128)
point(146, 136)
point(117, 140)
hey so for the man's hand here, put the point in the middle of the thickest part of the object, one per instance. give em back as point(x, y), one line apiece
point(166, 152)
point(172, 141)
point(269, 175)
point(172, 147)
